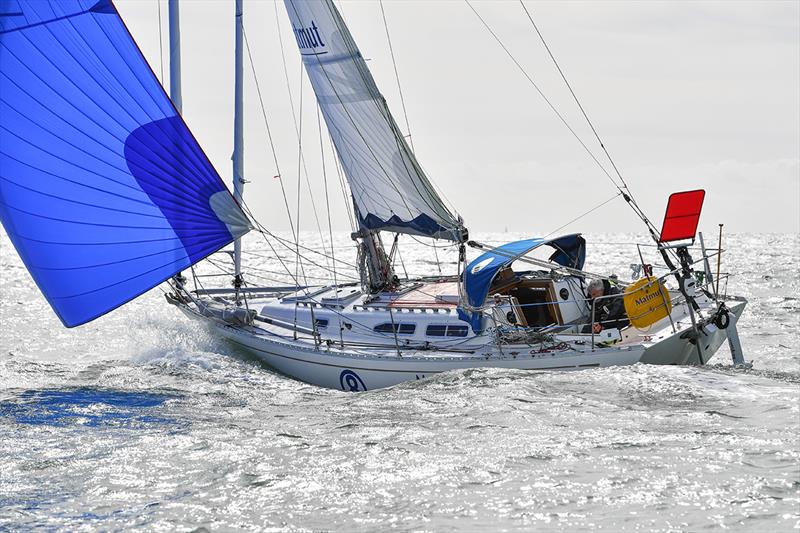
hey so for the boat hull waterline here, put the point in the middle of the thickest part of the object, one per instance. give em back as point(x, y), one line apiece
point(333, 368)
point(676, 349)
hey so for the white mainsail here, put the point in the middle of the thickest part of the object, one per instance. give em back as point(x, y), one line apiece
point(390, 190)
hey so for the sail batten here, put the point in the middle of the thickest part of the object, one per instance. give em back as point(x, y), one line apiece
point(389, 188)
point(104, 191)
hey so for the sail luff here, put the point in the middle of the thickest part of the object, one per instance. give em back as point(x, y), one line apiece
point(390, 189)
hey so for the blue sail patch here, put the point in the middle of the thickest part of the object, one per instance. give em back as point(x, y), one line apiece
point(104, 191)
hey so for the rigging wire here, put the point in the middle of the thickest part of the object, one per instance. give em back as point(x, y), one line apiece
point(267, 271)
point(379, 102)
point(541, 93)
point(629, 196)
point(327, 198)
point(342, 185)
point(264, 232)
point(396, 75)
point(160, 43)
point(269, 131)
point(269, 134)
point(402, 263)
point(299, 258)
point(261, 228)
point(297, 128)
point(405, 114)
point(298, 261)
point(437, 189)
point(290, 246)
point(307, 260)
point(368, 330)
point(595, 208)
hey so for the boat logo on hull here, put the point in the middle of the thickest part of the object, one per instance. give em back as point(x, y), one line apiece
point(350, 381)
point(483, 264)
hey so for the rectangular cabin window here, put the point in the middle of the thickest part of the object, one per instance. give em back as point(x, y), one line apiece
point(436, 331)
point(456, 331)
point(446, 331)
point(322, 322)
point(400, 329)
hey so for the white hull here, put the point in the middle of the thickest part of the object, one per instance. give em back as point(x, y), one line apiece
point(355, 361)
point(359, 371)
point(675, 349)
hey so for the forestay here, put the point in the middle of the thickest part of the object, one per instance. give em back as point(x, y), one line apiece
point(103, 190)
point(390, 190)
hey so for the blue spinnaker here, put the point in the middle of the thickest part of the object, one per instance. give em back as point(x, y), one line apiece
point(104, 191)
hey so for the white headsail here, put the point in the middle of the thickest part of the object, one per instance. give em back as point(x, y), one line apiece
point(390, 190)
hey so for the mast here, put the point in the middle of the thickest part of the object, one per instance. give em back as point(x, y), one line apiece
point(175, 55)
point(374, 266)
point(175, 77)
point(238, 144)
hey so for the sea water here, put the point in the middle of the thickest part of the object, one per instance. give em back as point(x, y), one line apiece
point(143, 419)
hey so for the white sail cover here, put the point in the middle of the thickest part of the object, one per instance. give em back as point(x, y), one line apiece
point(390, 190)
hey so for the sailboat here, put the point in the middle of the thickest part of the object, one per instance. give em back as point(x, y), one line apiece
point(105, 194)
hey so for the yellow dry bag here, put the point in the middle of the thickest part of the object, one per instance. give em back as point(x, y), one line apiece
point(646, 302)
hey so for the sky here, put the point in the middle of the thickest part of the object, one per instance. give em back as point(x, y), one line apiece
point(685, 95)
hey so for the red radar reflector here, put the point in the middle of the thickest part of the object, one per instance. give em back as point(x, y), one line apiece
point(682, 216)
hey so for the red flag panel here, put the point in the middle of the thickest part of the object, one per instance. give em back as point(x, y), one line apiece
point(682, 216)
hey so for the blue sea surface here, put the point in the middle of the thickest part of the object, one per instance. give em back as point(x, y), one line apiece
point(142, 419)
